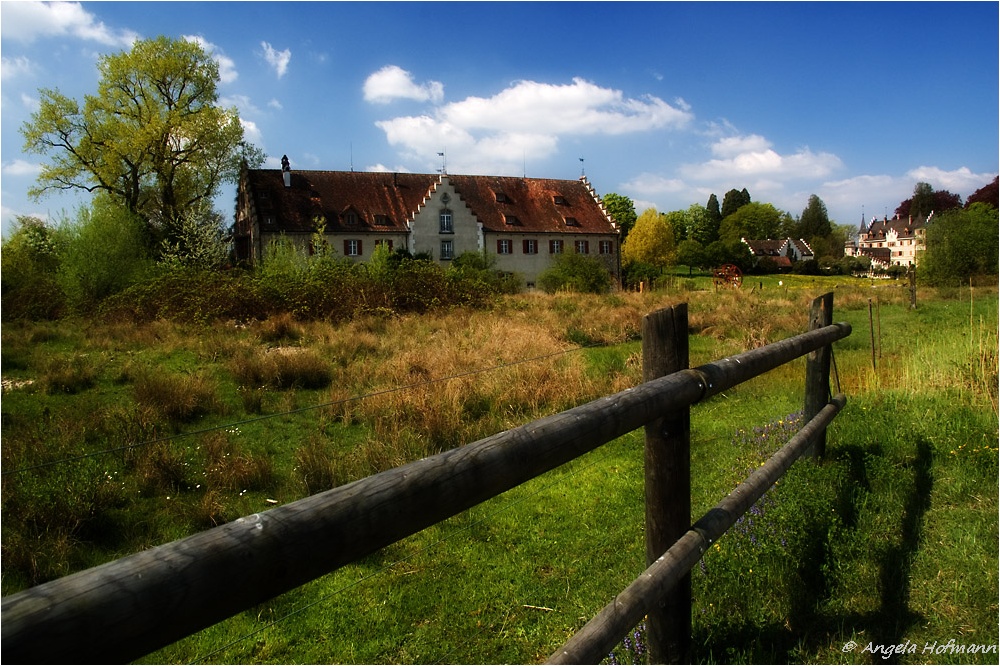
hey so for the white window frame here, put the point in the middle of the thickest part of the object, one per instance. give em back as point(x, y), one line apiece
point(447, 250)
point(447, 221)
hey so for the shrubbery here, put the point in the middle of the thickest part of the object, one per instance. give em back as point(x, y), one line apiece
point(575, 272)
point(99, 263)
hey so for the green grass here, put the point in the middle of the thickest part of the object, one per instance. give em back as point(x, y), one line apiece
point(893, 537)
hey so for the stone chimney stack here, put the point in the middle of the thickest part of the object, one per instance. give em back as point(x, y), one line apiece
point(286, 171)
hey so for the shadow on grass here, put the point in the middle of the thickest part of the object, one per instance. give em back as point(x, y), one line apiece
point(809, 628)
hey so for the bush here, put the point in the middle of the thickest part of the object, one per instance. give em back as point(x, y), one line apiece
point(102, 253)
point(29, 288)
point(575, 272)
point(189, 295)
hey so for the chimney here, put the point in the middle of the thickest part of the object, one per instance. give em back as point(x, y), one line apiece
point(286, 171)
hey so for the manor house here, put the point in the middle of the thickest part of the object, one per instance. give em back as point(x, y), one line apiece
point(522, 222)
point(888, 242)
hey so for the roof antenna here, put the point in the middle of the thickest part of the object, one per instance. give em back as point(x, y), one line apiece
point(444, 164)
point(352, 157)
point(524, 163)
point(583, 171)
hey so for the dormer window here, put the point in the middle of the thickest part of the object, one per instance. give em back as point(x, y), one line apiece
point(510, 220)
point(571, 222)
point(382, 220)
point(501, 197)
point(559, 200)
point(350, 218)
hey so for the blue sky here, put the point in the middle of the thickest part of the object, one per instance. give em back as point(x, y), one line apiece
point(665, 102)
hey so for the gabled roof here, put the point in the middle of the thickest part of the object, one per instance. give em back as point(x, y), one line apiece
point(778, 248)
point(330, 194)
point(904, 228)
point(801, 247)
point(387, 201)
point(538, 204)
point(765, 248)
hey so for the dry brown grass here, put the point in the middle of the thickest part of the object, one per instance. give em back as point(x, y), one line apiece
point(282, 368)
point(177, 397)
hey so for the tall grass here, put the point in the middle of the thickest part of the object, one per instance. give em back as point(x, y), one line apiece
point(526, 570)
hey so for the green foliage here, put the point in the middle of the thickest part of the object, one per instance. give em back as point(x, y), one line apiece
point(690, 253)
point(198, 242)
point(815, 221)
point(622, 209)
point(961, 243)
point(753, 221)
point(636, 272)
point(652, 241)
point(714, 212)
point(733, 201)
point(188, 295)
point(927, 200)
point(29, 288)
point(152, 138)
point(575, 272)
point(103, 252)
point(729, 252)
point(699, 225)
point(473, 275)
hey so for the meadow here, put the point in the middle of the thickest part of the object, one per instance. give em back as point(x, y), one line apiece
point(118, 437)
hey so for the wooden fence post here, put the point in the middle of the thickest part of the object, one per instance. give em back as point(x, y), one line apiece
point(818, 371)
point(668, 482)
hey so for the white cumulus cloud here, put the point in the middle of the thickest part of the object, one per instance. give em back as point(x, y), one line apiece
point(28, 21)
point(251, 132)
point(277, 59)
point(11, 67)
point(740, 158)
point(523, 123)
point(227, 67)
point(392, 83)
point(578, 108)
point(961, 181)
point(21, 168)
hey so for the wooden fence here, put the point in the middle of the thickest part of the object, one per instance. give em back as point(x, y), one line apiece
point(148, 600)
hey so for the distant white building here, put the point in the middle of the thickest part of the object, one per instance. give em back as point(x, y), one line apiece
point(782, 251)
point(886, 242)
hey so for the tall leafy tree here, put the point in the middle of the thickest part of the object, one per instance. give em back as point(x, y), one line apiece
point(153, 138)
point(622, 209)
point(961, 243)
point(754, 221)
point(815, 220)
point(733, 201)
point(713, 210)
point(652, 241)
point(926, 200)
point(699, 224)
point(987, 194)
point(691, 253)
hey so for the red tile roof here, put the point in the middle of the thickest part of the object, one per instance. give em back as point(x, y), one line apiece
point(386, 201)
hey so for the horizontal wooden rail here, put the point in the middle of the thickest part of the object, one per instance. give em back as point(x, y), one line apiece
point(125, 609)
point(600, 636)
